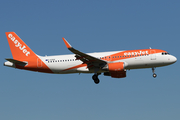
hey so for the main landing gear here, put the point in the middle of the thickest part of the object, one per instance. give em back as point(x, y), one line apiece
point(95, 78)
point(154, 74)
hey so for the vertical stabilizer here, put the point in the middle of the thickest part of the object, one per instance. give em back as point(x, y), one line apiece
point(23, 56)
point(20, 51)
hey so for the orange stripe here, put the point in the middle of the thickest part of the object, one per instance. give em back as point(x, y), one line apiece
point(78, 66)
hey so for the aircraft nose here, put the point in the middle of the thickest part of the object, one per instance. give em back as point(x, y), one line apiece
point(173, 59)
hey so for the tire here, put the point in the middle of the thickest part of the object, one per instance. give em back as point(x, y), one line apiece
point(94, 77)
point(154, 75)
point(96, 81)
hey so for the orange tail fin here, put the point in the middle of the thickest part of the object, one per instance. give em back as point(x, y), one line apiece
point(23, 56)
point(19, 50)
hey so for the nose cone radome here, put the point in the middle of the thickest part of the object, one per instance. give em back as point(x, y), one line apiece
point(173, 59)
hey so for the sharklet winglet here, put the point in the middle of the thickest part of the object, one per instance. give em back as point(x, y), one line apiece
point(66, 43)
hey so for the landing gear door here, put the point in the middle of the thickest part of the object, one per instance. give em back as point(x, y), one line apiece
point(153, 55)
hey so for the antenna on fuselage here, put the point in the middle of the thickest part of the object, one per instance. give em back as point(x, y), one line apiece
point(149, 47)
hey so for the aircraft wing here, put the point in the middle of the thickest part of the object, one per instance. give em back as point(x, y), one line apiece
point(85, 58)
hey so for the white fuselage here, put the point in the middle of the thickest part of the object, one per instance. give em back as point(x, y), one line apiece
point(60, 64)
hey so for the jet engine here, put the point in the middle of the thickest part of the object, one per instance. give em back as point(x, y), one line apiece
point(115, 70)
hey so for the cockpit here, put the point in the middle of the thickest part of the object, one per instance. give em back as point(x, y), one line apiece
point(165, 53)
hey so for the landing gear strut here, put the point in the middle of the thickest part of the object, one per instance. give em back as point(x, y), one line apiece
point(95, 78)
point(154, 74)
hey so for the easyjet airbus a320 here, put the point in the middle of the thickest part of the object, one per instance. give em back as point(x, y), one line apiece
point(112, 64)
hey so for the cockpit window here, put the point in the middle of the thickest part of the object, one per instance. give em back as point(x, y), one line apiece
point(165, 53)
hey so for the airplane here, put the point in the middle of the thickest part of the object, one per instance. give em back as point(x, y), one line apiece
point(114, 63)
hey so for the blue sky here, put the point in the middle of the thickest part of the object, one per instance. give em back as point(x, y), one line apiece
point(90, 26)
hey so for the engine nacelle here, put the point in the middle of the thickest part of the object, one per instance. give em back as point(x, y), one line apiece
point(116, 70)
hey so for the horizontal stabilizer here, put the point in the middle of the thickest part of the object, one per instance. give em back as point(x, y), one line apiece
point(16, 61)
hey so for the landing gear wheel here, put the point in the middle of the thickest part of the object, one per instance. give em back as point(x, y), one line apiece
point(97, 81)
point(95, 78)
point(154, 75)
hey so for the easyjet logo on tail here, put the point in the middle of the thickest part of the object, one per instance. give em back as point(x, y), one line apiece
point(18, 44)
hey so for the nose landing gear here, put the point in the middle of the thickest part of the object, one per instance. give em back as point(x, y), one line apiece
point(154, 74)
